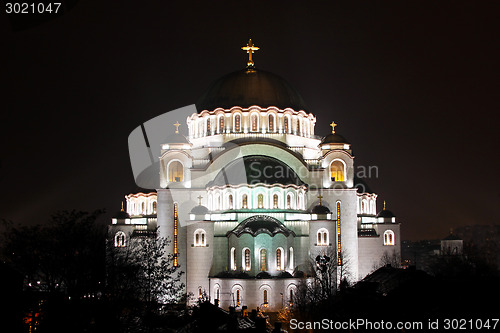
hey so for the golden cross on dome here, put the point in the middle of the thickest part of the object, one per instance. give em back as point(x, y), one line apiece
point(177, 127)
point(320, 197)
point(250, 48)
point(333, 127)
point(384, 204)
point(199, 200)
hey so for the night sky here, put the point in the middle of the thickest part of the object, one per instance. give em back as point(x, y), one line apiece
point(413, 86)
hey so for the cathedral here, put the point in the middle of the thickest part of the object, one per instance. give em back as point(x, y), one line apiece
point(250, 196)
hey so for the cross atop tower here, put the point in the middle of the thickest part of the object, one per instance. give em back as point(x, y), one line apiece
point(177, 127)
point(333, 127)
point(320, 197)
point(199, 200)
point(250, 48)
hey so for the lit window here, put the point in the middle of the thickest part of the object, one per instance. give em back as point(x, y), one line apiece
point(238, 297)
point(246, 259)
point(389, 237)
point(217, 294)
point(275, 201)
point(230, 199)
point(120, 239)
point(255, 122)
point(323, 237)
point(298, 126)
point(265, 297)
point(237, 123)
point(263, 260)
point(279, 259)
point(286, 124)
point(175, 172)
point(176, 221)
point(260, 201)
point(154, 207)
point(244, 203)
point(208, 126)
point(221, 124)
point(337, 172)
point(233, 259)
point(289, 201)
point(200, 238)
point(271, 123)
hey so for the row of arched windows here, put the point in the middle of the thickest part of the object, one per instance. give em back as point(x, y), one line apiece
point(246, 259)
point(223, 201)
point(253, 121)
point(265, 291)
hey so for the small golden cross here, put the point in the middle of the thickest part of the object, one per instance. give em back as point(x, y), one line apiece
point(250, 48)
point(199, 200)
point(384, 204)
point(177, 127)
point(333, 127)
point(320, 197)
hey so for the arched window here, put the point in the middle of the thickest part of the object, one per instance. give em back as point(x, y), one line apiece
point(244, 201)
point(265, 297)
point(209, 124)
point(275, 201)
point(298, 126)
point(389, 237)
point(290, 259)
point(221, 124)
point(260, 201)
point(200, 238)
point(230, 201)
point(143, 208)
point(120, 239)
point(237, 123)
point(154, 207)
point(246, 259)
point(233, 259)
point(271, 123)
point(323, 237)
point(337, 172)
point(287, 124)
point(237, 297)
point(288, 201)
point(263, 260)
point(279, 259)
point(175, 172)
point(255, 122)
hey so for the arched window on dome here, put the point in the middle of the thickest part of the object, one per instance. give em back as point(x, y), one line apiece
point(389, 237)
point(279, 259)
point(154, 207)
point(120, 239)
point(230, 201)
point(289, 201)
point(337, 171)
point(323, 237)
point(271, 123)
point(275, 201)
point(254, 119)
point(298, 126)
point(286, 125)
point(237, 122)
point(244, 201)
point(221, 124)
point(209, 125)
point(200, 238)
point(260, 201)
point(263, 260)
point(233, 259)
point(175, 172)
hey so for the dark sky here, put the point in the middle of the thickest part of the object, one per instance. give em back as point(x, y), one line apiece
point(413, 86)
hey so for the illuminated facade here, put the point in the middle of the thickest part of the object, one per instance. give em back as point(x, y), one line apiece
point(251, 195)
